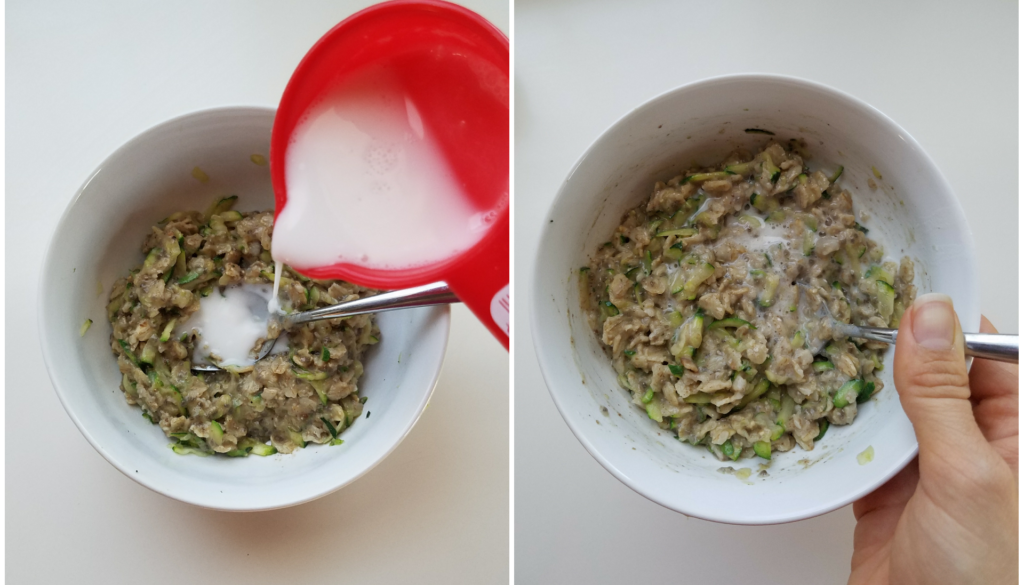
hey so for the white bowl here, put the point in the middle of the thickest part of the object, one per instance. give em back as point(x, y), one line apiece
point(913, 212)
point(98, 240)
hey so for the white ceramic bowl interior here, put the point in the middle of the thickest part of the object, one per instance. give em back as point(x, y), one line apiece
point(98, 240)
point(912, 212)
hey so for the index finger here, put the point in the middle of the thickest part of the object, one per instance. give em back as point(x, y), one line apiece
point(989, 378)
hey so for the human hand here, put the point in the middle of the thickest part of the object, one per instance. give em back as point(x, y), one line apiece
point(951, 515)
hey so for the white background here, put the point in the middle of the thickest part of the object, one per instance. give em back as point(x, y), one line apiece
point(946, 72)
point(82, 79)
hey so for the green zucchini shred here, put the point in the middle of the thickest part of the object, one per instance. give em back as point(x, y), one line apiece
point(188, 278)
point(886, 295)
point(759, 389)
point(330, 428)
point(767, 297)
point(867, 389)
point(185, 450)
point(151, 258)
point(263, 450)
point(315, 376)
point(654, 411)
point(879, 273)
point(296, 437)
point(730, 451)
point(763, 449)
point(808, 244)
point(731, 322)
point(675, 319)
point(165, 335)
point(740, 168)
point(848, 393)
point(823, 424)
point(679, 233)
point(128, 352)
point(835, 176)
point(220, 206)
point(708, 176)
point(786, 410)
point(320, 388)
point(823, 366)
point(798, 340)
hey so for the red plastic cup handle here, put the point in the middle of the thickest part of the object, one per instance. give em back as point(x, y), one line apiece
point(481, 280)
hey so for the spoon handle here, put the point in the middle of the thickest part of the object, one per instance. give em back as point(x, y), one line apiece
point(988, 346)
point(420, 296)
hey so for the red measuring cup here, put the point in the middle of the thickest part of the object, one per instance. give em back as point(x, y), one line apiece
point(455, 65)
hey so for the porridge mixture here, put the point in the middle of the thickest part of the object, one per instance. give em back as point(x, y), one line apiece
point(307, 394)
point(712, 299)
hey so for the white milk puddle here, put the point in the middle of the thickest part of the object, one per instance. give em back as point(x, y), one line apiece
point(228, 324)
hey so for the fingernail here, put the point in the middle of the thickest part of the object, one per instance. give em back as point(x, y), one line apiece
point(934, 321)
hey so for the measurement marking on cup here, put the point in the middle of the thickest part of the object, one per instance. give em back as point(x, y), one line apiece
point(500, 309)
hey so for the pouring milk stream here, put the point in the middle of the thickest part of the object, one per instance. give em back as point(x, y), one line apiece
point(395, 173)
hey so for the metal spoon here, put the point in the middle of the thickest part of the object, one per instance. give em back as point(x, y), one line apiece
point(420, 296)
point(989, 346)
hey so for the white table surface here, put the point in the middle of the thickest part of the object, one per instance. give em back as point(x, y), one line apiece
point(948, 76)
point(83, 78)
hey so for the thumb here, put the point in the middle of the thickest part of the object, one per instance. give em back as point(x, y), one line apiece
point(931, 377)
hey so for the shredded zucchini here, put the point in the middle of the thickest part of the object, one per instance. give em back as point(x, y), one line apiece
point(866, 456)
point(823, 425)
point(763, 449)
point(835, 176)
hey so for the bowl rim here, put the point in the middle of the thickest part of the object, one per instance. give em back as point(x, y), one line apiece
point(548, 368)
point(49, 360)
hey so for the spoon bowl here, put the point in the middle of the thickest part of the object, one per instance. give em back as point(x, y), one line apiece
point(1001, 347)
